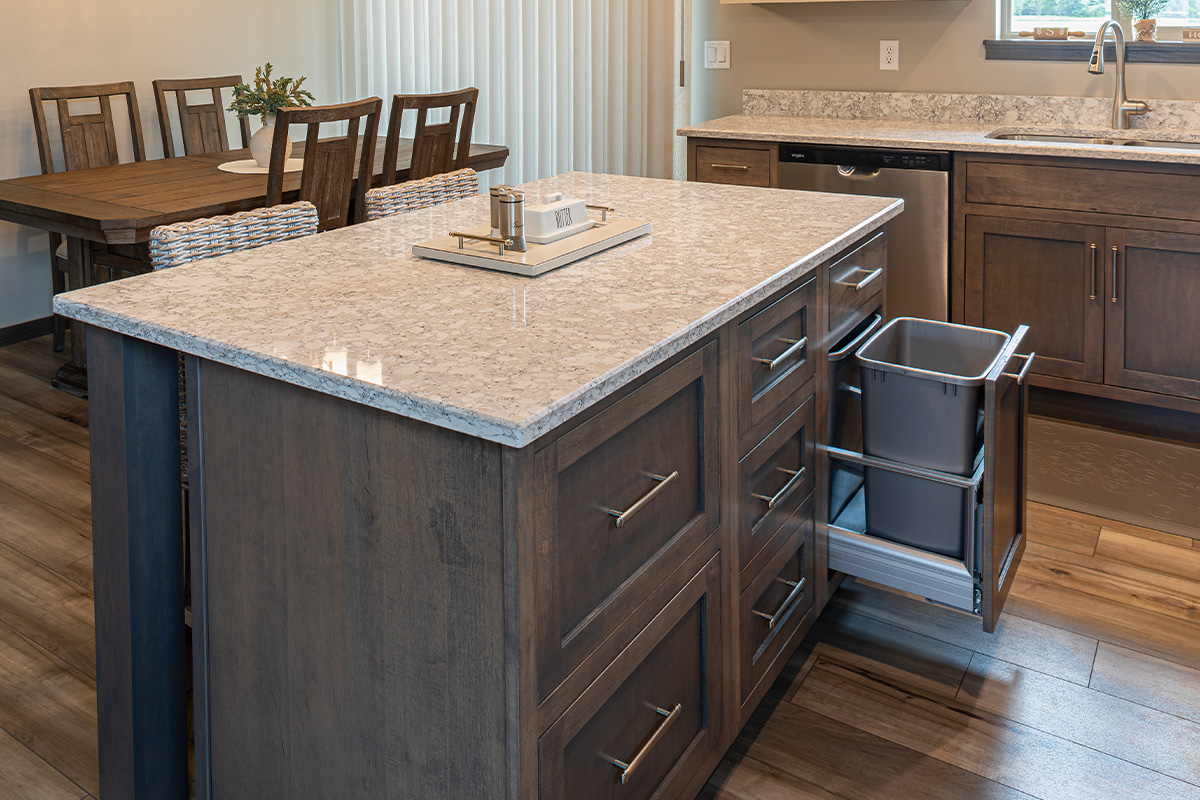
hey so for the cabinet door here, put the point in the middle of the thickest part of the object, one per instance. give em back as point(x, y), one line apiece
point(1047, 275)
point(1152, 322)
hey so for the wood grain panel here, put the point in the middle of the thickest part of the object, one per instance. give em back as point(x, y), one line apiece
point(741, 166)
point(30, 777)
point(399, 560)
point(39, 530)
point(43, 606)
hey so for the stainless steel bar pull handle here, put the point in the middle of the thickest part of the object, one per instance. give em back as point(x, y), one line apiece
point(629, 767)
point(1093, 272)
point(788, 488)
point(732, 167)
point(1114, 274)
point(858, 287)
point(796, 346)
point(663, 481)
point(780, 613)
point(1020, 376)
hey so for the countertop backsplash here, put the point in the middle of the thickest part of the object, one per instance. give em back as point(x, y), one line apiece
point(981, 109)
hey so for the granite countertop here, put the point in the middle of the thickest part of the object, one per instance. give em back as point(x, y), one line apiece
point(885, 119)
point(354, 314)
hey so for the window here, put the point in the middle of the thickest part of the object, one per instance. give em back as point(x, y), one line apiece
point(1086, 16)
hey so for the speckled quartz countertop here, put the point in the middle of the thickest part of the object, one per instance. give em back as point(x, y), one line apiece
point(354, 314)
point(956, 122)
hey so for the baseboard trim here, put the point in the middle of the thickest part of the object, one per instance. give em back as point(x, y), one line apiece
point(23, 331)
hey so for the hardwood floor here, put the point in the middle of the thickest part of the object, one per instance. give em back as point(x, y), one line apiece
point(1090, 687)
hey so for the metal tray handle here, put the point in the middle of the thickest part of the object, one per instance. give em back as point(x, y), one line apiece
point(786, 606)
point(663, 481)
point(629, 767)
point(498, 241)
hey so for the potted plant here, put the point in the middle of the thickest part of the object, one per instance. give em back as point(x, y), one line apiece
point(1143, 12)
point(264, 99)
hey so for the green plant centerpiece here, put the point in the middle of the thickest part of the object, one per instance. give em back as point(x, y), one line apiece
point(1143, 13)
point(263, 99)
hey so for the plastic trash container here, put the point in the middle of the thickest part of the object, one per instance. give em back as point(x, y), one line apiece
point(921, 392)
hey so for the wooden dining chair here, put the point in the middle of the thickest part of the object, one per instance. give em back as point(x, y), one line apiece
point(202, 125)
point(88, 139)
point(327, 179)
point(385, 201)
point(436, 147)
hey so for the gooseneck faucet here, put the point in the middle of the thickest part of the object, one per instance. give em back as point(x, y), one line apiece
point(1122, 105)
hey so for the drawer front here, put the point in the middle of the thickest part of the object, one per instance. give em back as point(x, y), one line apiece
point(744, 167)
point(773, 355)
point(652, 719)
point(774, 605)
point(622, 500)
point(773, 480)
point(856, 279)
point(1086, 189)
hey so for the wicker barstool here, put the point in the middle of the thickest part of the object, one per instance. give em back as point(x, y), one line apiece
point(388, 200)
point(183, 242)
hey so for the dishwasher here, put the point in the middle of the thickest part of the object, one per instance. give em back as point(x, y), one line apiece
point(918, 240)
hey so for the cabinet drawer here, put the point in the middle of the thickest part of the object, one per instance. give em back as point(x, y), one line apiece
point(773, 480)
point(856, 279)
point(1087, 189)
point(744, 167)
point(773, 355)
point(774, 605)
point(622, 500)
point(656, 709)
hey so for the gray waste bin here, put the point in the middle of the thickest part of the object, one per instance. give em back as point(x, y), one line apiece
point(921, 392)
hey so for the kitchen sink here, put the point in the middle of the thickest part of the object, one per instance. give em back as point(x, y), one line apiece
point(1046, 137)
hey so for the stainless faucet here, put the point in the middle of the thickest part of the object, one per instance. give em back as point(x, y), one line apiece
point(1122, 105)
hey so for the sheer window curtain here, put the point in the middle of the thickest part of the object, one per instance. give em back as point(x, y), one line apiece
point(587, 85)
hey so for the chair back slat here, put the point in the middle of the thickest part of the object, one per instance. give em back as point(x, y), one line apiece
point(202, 125)
point(87, 139)
point(184, 242)
point(327, 178)
point(437, 148)
point(410, 195)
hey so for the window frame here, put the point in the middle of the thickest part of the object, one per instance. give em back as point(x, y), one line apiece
point(1167, 34)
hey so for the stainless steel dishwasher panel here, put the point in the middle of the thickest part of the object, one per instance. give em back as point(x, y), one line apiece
point(918, 283)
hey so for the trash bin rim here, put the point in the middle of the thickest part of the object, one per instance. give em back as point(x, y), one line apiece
point(915, 372)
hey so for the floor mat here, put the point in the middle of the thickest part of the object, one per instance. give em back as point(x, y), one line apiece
point(1143, 482)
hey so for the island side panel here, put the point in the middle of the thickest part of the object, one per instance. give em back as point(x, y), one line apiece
point(354, 590)
point(137, 545)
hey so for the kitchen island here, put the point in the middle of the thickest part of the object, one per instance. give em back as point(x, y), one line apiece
point(456, 533)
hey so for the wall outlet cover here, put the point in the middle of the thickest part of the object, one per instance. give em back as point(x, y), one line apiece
point(889, 54)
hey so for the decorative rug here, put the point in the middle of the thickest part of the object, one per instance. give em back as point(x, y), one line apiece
point(1146, 482)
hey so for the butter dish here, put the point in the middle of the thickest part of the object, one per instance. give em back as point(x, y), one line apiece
point(556, 217)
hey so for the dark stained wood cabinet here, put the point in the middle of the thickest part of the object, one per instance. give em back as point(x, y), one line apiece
point(1152, 312)
point(1100, 258)
point(1047, 275)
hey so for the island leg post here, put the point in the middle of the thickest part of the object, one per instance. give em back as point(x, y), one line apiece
point(137, 545)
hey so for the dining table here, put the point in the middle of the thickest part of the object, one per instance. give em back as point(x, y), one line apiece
point(107, 213)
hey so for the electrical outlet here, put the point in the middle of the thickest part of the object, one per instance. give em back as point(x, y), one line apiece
point(889, 54)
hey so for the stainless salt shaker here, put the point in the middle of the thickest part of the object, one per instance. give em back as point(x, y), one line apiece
point(495, 192)
point(512, 218)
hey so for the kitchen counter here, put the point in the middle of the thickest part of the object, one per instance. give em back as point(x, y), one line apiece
point(354, 314)
point(869, 119)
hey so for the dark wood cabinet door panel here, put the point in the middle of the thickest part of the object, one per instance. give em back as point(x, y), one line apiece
point(774, 354)
point(1047, 275)
point(737, 165)
point(857, 279)
point(773, 480)
point(621, 501)
point(1083, 188)
point(773, 606)
point(1152, 324)
point(654, 716)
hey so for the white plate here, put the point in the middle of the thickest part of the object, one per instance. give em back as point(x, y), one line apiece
point(248, 166)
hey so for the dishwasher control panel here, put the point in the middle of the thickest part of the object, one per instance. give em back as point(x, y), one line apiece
point(865, 158)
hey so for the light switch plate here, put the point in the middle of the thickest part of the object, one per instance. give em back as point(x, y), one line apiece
point(716, 55)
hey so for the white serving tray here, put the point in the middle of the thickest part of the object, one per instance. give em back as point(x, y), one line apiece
point(538, 258)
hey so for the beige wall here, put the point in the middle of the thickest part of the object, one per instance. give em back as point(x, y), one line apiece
point(836, 46)
point(64, 42)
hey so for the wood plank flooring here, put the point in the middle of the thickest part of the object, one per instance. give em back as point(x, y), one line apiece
point(1090, 688)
